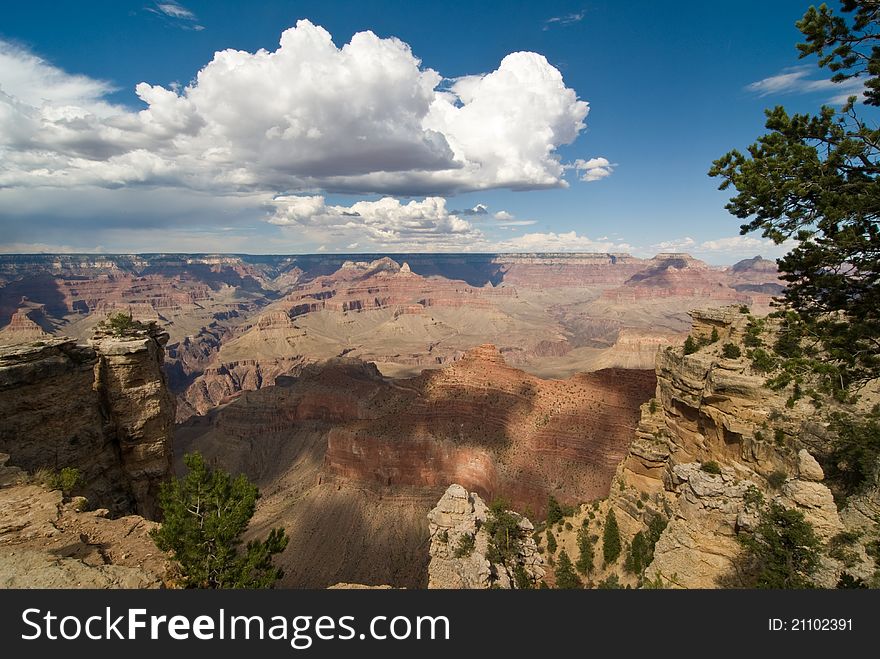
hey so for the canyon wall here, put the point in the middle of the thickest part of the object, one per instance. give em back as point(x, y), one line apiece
point(713, 443)
point(103, 409)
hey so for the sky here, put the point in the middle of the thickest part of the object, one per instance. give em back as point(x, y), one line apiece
point(300, 127)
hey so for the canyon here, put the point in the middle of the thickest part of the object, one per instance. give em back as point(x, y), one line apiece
point(355, 390)
point(350, 462)
point(236, 322)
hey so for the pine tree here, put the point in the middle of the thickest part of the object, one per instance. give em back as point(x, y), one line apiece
point(205, 514)
point(690, 346)
point(611, 539)
point(814, 179)
point(565, 575)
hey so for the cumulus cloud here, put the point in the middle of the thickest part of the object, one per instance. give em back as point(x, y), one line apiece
point(386, 222)
point(503, 216)
point(594, 169)
point(796, 81)
point(364, 118)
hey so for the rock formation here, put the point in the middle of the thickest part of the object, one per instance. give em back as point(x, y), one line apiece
point(46, 542)
point(712, 409)
point(461, 516)
point(102, 409)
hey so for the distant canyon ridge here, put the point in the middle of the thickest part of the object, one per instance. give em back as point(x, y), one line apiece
point(237, 322)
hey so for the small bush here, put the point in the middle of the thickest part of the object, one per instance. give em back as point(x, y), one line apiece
point(713, 338)
point(611, 582)
point(753, 497)
point(762, 361)
point(744, 308)
point(690, 346)
point(443, 536)
point(779, 436)
point(711, 467)
point(465, 546)
point(777, 478)
point(652, 406)
point(731, 351)
point(840, 547)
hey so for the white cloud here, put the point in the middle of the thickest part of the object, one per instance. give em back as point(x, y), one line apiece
point(365, 117)
point(503, 216)
point(568, 19)
point(676, 245)
point(559, 242)
point(387, 222)
point(177, 13)
point(46, 248)
point(720, 247)
point(795, 81)
point(594, 169)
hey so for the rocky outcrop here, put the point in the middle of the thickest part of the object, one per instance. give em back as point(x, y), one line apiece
point(102, 409)
point(131, 384)
point(458, 520)
point(713, 441)
point(46, 542)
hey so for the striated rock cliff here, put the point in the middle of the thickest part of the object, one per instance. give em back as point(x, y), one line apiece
point(131, 384)
point(712, 443)
point(102, 409)
point(462, 515)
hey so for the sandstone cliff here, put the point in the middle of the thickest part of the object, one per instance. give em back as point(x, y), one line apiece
point(713, 440)
point(102, 409)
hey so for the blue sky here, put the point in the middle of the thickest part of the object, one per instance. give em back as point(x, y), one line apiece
point(670, 87)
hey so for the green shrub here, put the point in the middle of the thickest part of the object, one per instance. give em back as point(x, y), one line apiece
point(690, 346)
point(611, 582)
point(465, 546)
point(611, 539)
point(556, 511)
point(777, 479)
point(731, 351)
point(744, 308)
point(855, 451)
point(713, 338)
point(711, 467)
point(443, 536)
point(840, 547)
point(505, 534)
point(783, 552)
point(762, 361)
point(652, 406)
point(566, 578)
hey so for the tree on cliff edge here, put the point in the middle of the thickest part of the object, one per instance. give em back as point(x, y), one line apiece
point(814, 179)
point(205, 514)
